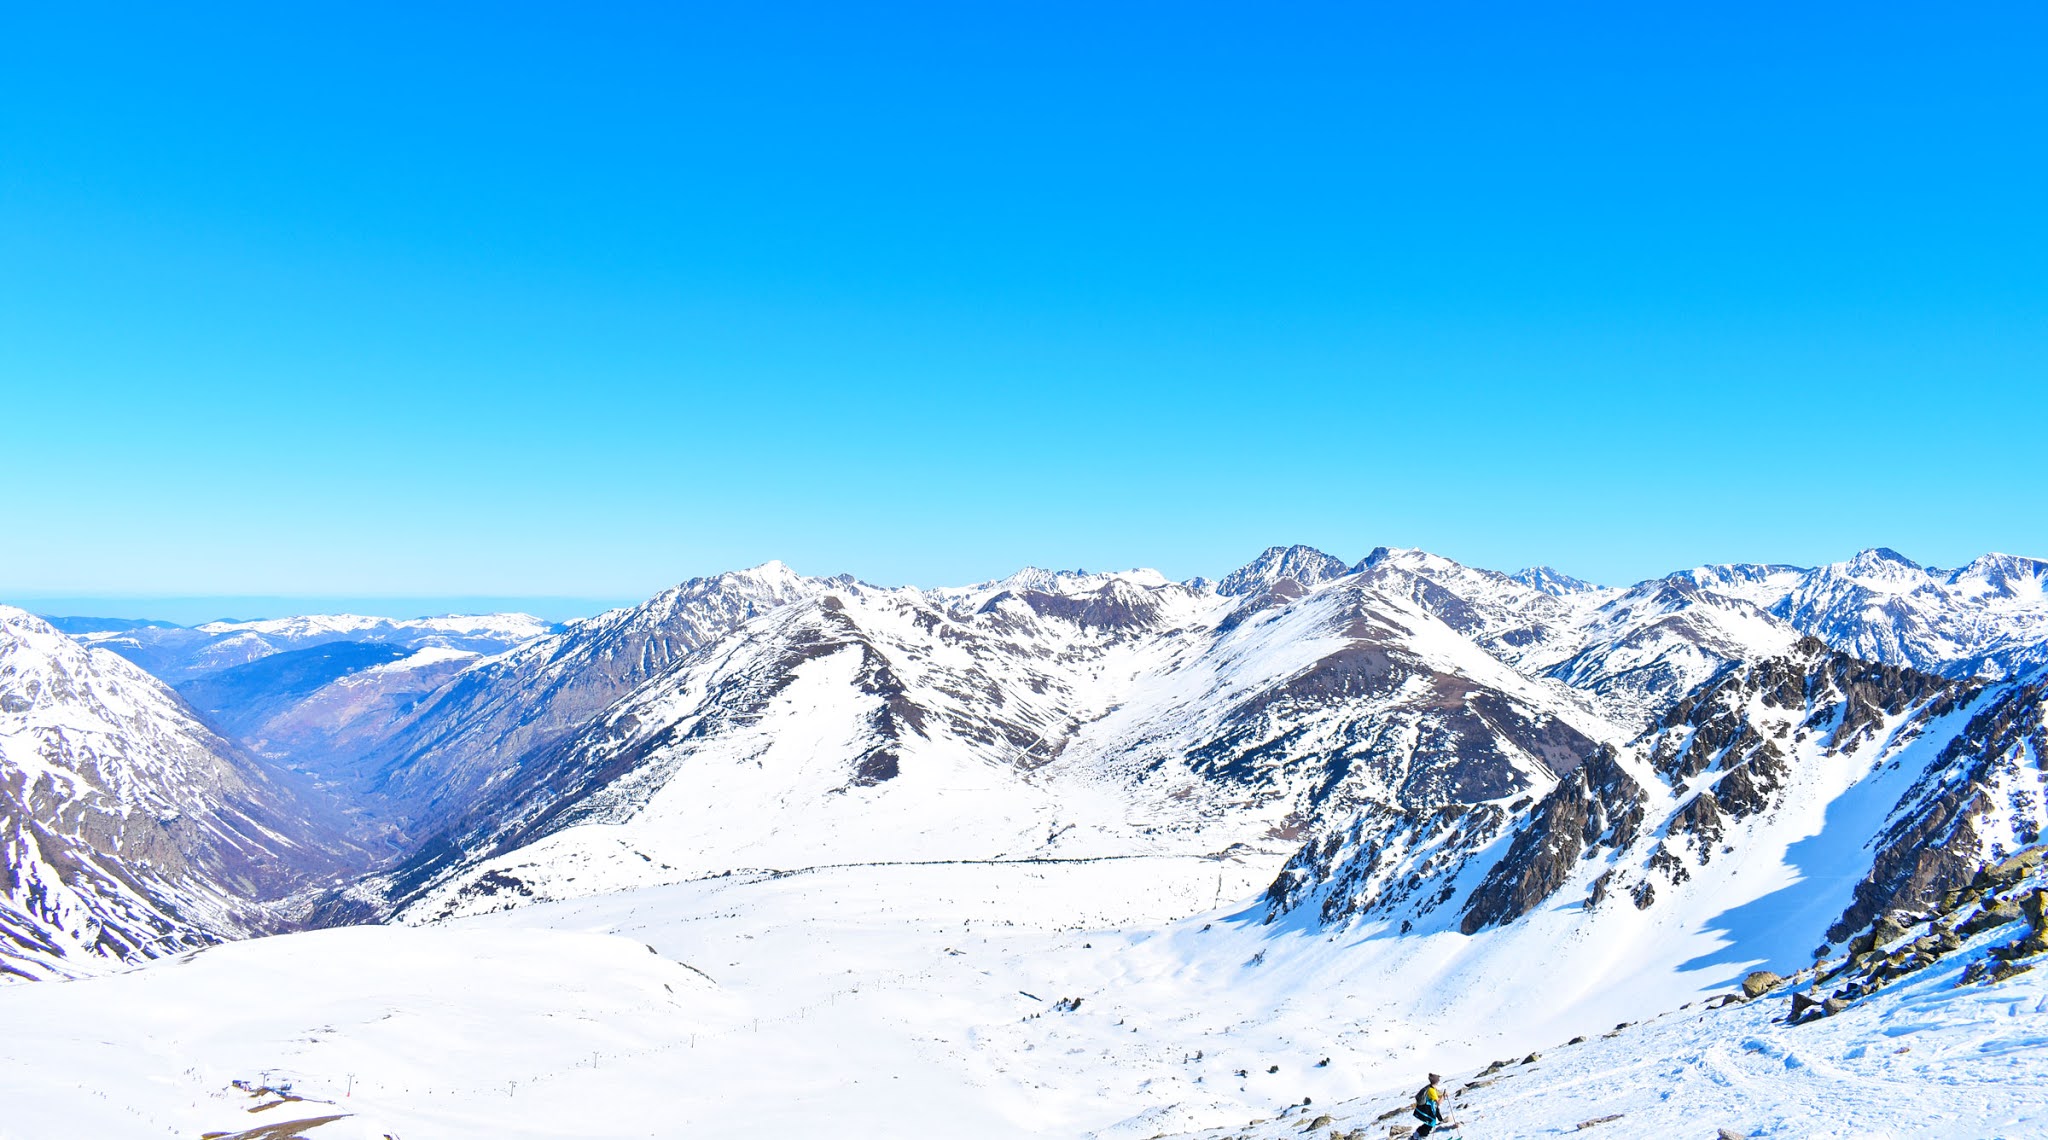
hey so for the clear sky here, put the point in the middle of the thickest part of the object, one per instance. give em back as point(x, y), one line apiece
point(580, 300)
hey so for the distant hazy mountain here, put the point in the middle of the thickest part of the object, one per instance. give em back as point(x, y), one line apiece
point(176, 653)
point(315, 692)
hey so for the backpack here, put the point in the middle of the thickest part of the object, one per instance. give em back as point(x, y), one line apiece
point(1425, 1108)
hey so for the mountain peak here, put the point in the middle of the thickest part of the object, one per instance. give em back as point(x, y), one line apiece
point(1882, 562)
point(1303, 565)
point(775, 569)
point(1553, 583)
point(2002, 575)
point(1407, 557)
point(18, 618)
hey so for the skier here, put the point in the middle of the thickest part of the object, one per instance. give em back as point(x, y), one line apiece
point(1429, 1108)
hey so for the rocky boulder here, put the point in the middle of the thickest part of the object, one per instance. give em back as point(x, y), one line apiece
point(1759, 983)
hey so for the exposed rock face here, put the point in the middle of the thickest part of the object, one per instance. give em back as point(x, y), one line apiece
point(1386, 724)
point(1386, 860)
point(1980, 799)
point(1641, 822)
point(2005, 894)
point(128, 830)
point(1759, 983)
point(1599, 806)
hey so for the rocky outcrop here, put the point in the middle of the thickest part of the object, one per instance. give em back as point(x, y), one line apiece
point(2010, 893)
point(1598, 806)
point(1938, 831)
point(1386, 860)
point(1719, 763)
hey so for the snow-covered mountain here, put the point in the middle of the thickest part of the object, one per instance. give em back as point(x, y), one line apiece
point(1053, 716)
point(1092, 714)
point(1406, 706)
point(1552, 582)
point(1987, 618)
point(474, 731)
point(1643, 648)
point(128, 830)
point(1303, 566)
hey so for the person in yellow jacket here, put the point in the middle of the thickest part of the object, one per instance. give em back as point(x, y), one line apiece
point(1431, 1109)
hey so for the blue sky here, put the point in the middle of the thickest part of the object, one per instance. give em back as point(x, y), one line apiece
point(579, 301)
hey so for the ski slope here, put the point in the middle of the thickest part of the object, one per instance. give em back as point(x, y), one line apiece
point(1924, 1058)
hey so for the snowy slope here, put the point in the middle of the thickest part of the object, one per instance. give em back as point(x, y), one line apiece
point(127, 829)
point(1645, 647)
point(941, 1001)
point(1931, 1025)
point(1840, 789)
point(1630, 653)
point(1410, 708)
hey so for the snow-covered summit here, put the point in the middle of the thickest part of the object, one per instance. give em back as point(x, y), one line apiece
point(1988, 618)
point(1552, 582)
point(1305, 566)
point(473, 730)
point(2021, 583)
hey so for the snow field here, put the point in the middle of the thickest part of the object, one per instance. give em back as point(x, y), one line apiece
point(926, 1000)
point(434, 1033)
